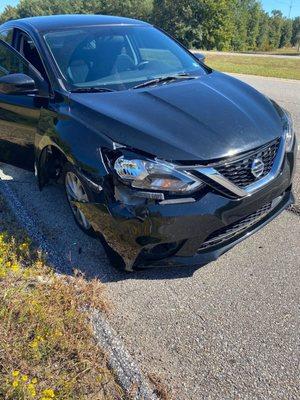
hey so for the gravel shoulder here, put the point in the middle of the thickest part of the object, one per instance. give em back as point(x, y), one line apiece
point(227, 330)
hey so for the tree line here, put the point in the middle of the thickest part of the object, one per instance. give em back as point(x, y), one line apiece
point(237, 25)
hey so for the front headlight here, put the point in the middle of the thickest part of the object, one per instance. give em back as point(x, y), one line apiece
point(155, 175)
point(288, 130)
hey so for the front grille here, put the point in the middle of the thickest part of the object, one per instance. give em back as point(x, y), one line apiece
point(239, 171)
point(227, 233)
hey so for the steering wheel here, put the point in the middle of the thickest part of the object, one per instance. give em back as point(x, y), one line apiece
point(142, 64)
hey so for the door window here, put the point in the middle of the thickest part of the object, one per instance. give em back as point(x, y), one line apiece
point(10, 62)
point(7, 36)
point(29, 51)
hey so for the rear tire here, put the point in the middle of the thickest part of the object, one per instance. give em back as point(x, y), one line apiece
point(77, 190)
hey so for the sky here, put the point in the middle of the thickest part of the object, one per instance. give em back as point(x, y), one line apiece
point(269, 5)
point(282, 5)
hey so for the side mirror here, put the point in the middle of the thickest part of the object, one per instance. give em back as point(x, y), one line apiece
point(201, 57)
point(17, 84)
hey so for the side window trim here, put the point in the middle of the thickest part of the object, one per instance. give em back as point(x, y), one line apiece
point(23, 59)
point(18, 32)
point(34, 73)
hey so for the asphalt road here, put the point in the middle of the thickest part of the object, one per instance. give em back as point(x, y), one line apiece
point(229, 330)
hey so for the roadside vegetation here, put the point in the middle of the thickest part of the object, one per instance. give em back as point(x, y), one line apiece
point(263, 66)
point(285, 51)
point(225, 25)
point(47, 350)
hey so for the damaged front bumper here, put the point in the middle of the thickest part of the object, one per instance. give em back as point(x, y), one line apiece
point(147, 233)
point(176, 234)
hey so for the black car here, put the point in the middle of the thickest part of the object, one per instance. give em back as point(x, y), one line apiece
point(169, 162)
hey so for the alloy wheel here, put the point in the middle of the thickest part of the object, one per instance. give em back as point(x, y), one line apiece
point(76, 192)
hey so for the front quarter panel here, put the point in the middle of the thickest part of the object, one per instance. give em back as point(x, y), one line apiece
point(81, 145)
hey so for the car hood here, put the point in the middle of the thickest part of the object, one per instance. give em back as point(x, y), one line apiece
point(203, 119)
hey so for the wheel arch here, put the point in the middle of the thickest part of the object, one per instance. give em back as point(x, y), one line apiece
point(49, 157)
point(69, 140)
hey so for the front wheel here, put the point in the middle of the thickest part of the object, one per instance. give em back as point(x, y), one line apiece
point(76, 190)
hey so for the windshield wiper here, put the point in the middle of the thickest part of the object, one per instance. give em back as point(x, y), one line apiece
point(91, 90)
point(163, 80)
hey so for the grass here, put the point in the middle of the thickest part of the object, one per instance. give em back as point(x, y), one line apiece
point(263, 66)
point(47, 349)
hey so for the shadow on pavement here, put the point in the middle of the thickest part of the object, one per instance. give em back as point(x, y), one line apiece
point(49, 212)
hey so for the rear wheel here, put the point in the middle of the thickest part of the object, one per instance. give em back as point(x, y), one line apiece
point(76, 190)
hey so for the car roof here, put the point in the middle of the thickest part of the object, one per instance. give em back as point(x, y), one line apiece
point(69, 20)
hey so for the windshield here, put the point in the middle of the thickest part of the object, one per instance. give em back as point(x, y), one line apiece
point(117, 57)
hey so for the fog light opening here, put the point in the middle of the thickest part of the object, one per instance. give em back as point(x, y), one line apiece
point(161, 250)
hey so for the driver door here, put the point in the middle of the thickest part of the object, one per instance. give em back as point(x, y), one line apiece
point(19, 113)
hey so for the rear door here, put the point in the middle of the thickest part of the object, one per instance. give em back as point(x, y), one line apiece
point(19, 114)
